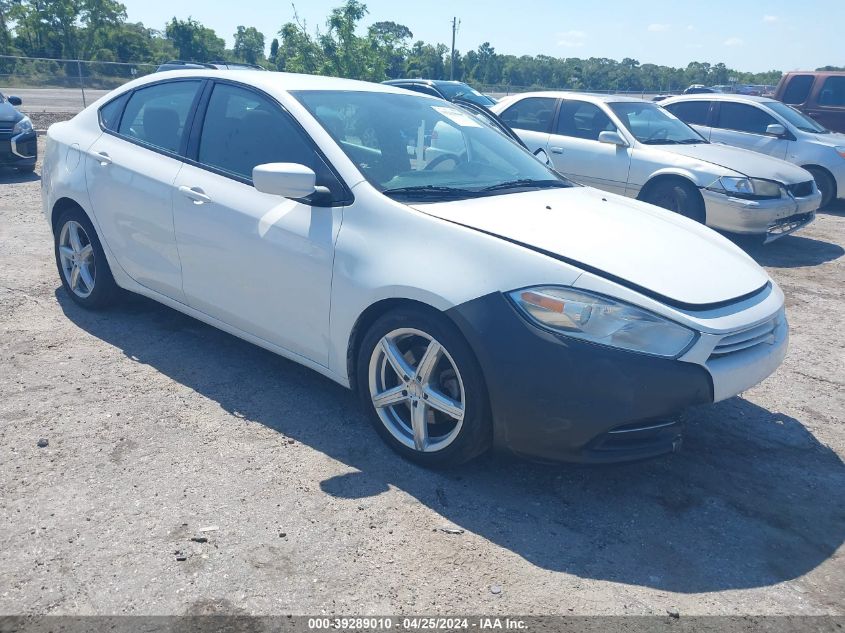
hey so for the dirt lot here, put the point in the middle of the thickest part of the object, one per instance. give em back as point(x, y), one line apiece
point(159, 425)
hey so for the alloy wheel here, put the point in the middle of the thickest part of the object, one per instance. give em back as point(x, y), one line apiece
point(76, 254)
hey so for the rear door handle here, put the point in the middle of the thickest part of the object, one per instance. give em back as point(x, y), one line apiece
point(556, 150)
point(194, 193)
point(103, 158)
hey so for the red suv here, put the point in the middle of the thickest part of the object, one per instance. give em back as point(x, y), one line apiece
point(819, 94)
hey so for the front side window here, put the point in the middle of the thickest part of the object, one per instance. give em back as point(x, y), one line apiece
point(796, 118)
point(743, 118)
point(833, 92)
point(533, 113)
point(157, 115)
point(654, 125)
point(798, 89)
point(414, 147)
point(243, 128)
point(583, 120)
point(691, 112)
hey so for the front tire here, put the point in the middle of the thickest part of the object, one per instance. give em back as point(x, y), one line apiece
point(679, 196)
point(422, 388)
point(825, 183)
point(82, 264)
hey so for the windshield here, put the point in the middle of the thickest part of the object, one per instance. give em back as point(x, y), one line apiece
point(653, 125)
point(452, 91)
point(796, 118)
point(420, 148)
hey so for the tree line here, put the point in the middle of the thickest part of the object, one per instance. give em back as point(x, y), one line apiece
point(99, 30)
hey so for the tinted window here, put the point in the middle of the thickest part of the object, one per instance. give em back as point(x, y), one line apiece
point(157, 115)
point(744, 118)
point(243, 129)
point(534, 113)
point(798, 89)
point(583, 120)
point(691, 112)
point(426, 90)
point(110, 113)
point(833, 92)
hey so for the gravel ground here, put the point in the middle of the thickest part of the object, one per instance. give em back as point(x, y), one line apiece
point(159, 426)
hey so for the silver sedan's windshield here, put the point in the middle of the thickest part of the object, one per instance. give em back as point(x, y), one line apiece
point(653, 125)
point(416, 147)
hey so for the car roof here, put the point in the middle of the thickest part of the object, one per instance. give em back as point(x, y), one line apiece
point(721, 96)
point(583, 96)
point(274, 81)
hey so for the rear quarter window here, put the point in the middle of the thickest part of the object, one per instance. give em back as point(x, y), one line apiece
point(111, 112)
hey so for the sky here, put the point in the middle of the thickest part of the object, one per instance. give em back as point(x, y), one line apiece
point(747, 35)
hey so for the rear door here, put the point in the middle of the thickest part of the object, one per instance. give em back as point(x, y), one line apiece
point(744, 125)
point(130, 172)
point(695, 113)
point(531, 118)
point(577, 153)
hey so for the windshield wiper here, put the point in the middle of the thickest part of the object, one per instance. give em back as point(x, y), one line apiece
point(660, 141)
point(526, 182)
point(427, 190)
point(692, 141)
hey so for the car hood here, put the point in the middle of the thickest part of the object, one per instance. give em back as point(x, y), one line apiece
point(8, 113)
point(746, 162)
point(834, 139)
point(641, 246)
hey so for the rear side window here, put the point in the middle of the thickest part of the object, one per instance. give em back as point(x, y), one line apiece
point(426, 90)
point(110, 113)
point(743, 118)
point(691, 112)
point(533, 113)
point(243, 129)
point(833, 92)
point(157, 115)
point(583, 120)
point(798, 89)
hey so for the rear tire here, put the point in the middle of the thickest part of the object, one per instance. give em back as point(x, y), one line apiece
point(435, 410)
point(825, 183)
point(82, 264)
point(677, 195)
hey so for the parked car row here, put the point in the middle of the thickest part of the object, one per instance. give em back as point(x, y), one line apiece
point(18, 142)
point(409, 250)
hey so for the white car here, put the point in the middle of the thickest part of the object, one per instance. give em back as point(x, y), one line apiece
point(771, 127)
point(473, 298)
point(636, 148)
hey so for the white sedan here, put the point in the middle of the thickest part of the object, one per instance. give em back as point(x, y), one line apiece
point(636, 148)
point(473, 297)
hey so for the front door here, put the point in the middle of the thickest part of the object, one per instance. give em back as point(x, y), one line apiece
point(744, 125)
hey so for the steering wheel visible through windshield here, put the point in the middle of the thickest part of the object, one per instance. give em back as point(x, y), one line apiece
point(419, 148)
point(653, 125)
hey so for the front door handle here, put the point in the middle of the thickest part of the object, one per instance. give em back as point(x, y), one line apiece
point(556, 150)
point(103, 158)
point(194, 193)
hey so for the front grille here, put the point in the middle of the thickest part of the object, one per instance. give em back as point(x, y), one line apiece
point(746, 339)
point(801, 189)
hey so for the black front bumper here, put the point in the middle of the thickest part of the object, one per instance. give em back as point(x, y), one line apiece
point(557, 398)
point(18, 151)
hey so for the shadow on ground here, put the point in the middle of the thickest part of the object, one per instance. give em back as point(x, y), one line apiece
point(9, 176)
point(753, 500)
point(792, 251)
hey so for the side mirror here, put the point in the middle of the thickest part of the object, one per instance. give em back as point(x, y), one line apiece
point(290, 180)
point(775, 129)
point(543, 157)
point(15, 101)
point(612, 138)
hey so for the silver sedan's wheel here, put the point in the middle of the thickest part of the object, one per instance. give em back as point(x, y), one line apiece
point(417, 390)
point(76, 256)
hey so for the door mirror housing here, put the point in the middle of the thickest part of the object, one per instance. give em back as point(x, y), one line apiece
point(15, 101)
point(612, 138)
point(290, 180)
point(775, 129)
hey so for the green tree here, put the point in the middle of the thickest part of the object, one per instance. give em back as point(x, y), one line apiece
point(193, 41)
point(249, 44)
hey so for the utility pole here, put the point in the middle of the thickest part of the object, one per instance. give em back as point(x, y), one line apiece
point(455, 25)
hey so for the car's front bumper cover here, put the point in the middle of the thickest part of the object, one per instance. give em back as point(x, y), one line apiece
point(558, 398)
point(19, 150)
point(773, 218)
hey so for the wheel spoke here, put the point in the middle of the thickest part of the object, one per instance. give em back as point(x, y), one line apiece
point(66, 252)
point(444, 404)
point(390, 397)
point(396, 360)
point(428, 362)
point(87, 277)
point(74, 277)
point(73, 235)
point(87, 252)
point(420, 426)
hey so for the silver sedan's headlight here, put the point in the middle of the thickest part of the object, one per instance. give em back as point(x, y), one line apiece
point(748, 187)
point(604, 321)
point(24, 125)
point(840, 151)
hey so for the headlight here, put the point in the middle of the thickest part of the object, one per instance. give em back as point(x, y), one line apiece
point(24, 125)
point(748, 187)
point(600, 320)
point(840, 151)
